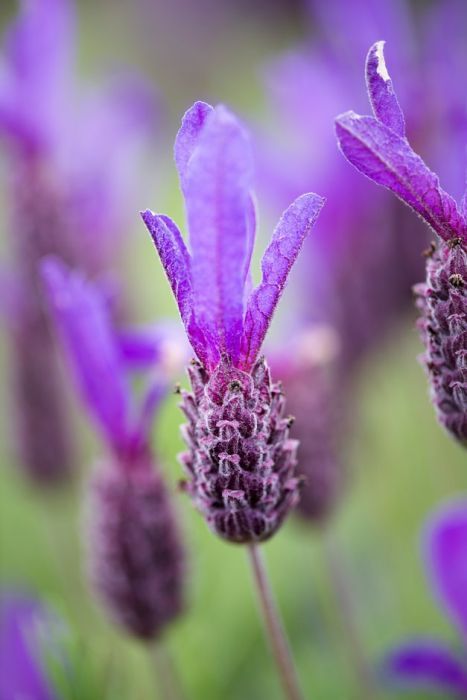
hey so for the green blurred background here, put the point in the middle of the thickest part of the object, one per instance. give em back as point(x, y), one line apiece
point(402, 463)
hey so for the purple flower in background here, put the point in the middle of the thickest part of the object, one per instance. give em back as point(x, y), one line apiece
point(69, 160)
point(240, 460)
point(310, 382)
point(378, 148)
point(429, 664)
point(24, 636)
point(135, 551)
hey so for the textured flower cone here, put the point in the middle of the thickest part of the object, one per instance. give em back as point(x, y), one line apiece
point(317, 409)
point(442, 301)
point(136, 557)
point(42, 431)
point(241, 462)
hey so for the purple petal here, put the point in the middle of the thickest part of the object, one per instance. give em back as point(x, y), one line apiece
point(428, 665)
point(217, 195)
point(387, 159)
point(22, 673)
point(383, 99)
point(446, 556)
point(292, 229)
point(38, 61)
point(188, 136)
point(82, 320)
point(176, 261)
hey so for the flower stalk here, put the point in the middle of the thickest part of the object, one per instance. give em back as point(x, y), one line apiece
point(274, 627)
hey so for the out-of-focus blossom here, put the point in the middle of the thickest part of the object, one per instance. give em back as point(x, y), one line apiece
point(315, 401)
point(25, 634)
point(69, 159)
point(425, 663)
point(378, 148)
point(345, 279)
point(135, 550)
point(240, 460)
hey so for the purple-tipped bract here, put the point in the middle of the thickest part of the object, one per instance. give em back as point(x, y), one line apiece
point(240, 462)
point(135, 552)
point(377, 147)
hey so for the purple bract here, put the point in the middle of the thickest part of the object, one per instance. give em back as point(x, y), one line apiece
point(427, 663)
point(135, 551)
point(240, 461)
point(378, 148)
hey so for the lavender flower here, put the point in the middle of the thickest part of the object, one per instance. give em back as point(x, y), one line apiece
point(425, 663)
point(310, 382)
point(378, 148)
point(24, 626)
point(136, 556)
point(65, 173)
point(240, 460)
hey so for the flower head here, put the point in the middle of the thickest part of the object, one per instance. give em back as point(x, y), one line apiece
point(69, 159)
point(378, 148)
point(135, 551)
point(426, 663)
point(240, 461)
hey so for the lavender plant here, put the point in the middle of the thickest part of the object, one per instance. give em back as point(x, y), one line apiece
point(68, 159)
point(424, 663)
point(136, 555)
point(378, 148)
point(240, 461)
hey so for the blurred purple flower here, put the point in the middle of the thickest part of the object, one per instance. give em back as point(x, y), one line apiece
point(24, 632)
point(425, 663)
point(136, 555)
point(378, 148)
point(69, 161)
point(240, 460)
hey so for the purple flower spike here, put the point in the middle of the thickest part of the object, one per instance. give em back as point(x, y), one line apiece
point(68, 183)
point(135, 552)
point(425, 663)
point(240, 460)
point(377, 147)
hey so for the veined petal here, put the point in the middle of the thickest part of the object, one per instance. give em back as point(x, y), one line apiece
point(292, 229)
point(429, 665)
point(383, 99)
point(176, 261)
point(446, 557)
point(217, 194)
point(193, 122)
point(387, 159)
point(83, 324)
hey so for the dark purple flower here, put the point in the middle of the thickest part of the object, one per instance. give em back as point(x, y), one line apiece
point(25, 634)
point(135, 551)
point(240, 462)
point(69, 159)
point(378, 148)
point(426, 663)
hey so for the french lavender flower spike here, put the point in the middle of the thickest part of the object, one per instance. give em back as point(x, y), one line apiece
point(136, 557)
point(428, 663)
point(377, 147)
point(240, 462)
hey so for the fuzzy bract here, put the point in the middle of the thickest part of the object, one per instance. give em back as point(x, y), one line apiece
point(240, 462)
point(377, 147)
